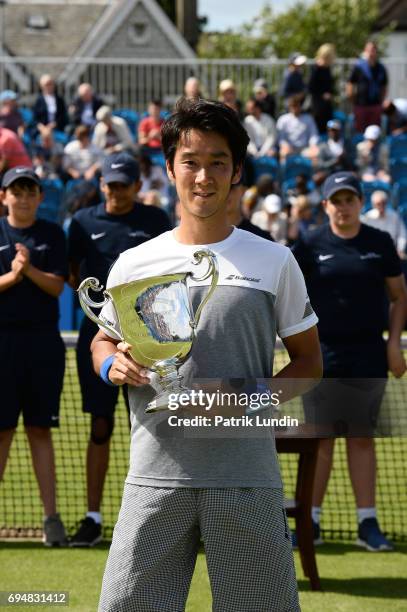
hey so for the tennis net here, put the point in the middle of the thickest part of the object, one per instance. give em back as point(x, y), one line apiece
point(21, 511)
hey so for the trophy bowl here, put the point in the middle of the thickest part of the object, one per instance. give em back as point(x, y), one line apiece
point(155, 316)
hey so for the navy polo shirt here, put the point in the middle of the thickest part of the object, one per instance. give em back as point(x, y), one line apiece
point(346, 280)
point(25, 304)
point(96, 238)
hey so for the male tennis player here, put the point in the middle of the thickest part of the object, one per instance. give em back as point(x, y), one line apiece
point(226, 489)
point(96, 237)
point(33, 266)
point(349, 267)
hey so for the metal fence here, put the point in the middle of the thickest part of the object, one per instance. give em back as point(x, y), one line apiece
point(131, 83)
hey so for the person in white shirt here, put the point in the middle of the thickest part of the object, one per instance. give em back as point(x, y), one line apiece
point(82, 158)
point(297, 131)
point(261, 129)
point(388, 220)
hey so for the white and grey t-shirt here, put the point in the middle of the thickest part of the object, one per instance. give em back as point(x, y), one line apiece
point(260, 293)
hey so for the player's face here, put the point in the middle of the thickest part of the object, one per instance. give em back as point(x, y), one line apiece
point(343, 210)
point(120, 197)
point(22, 203)
point(203, 174)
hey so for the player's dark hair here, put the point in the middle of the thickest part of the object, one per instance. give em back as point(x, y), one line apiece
point(23, 183)
point(205, 116)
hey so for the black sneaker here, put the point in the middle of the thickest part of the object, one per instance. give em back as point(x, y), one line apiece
point(88, 534)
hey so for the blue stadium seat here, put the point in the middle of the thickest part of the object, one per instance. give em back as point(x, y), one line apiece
point(61, 137)
point(340, 116)
point(265, 165)
point(131, 118)
point(397, 146)
point(368, 188)
point(398, 169)
point(49, 208)
point(158, 159)
point(400, 193)
point(295, 165)
point(27, 115)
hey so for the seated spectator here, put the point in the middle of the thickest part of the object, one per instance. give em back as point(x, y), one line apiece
point(151, 198)
point(271, 218)
point(301, 218)
point(253, 197)
point(85, 106)
point(372, 156)
point(297, 131)
point(10, 116)
point(82, 158)
point(293, 81)
point(81, 195)
point(384, 218)
point(12, 151)
point(228, 95)
point(234, 212)
point(149, 131)
point(302, 188)
point(111, 134)
point(333, 156)
point(152, 177)
point(261, 129)
point(49, 109)
point(396, 112)
point(48, 157)
point(192, 88)
point(264, 97)
point(321, 86)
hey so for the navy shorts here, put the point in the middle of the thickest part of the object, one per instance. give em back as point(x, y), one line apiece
point(31, 377)
point(98, 398)
point(348, 399)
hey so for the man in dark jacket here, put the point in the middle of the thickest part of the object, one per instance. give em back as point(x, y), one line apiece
point(49, 109)
point(85, 106)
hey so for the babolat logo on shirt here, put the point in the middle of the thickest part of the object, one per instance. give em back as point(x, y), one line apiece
point(371, 256)
point(243, 278)
point(139, 234)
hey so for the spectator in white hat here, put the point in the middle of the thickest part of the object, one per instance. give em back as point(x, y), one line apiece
point(372, 156)
point(271, 218)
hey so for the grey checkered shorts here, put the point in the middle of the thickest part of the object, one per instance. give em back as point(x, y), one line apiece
point(156, 540)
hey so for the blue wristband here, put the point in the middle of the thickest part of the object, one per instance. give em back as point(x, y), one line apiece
point(105, 369)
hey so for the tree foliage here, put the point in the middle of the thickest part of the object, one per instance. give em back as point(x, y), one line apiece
point(304, 27)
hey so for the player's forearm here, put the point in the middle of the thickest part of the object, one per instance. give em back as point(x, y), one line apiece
point(101, 348)
point(397, 318)
point(50, 283)
point(299, 376)
point(8, 280)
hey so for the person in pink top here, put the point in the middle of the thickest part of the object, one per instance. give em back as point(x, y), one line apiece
point(12, 151)
point(149, 131)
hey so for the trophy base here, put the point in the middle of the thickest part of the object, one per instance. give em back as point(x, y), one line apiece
point(160, 402)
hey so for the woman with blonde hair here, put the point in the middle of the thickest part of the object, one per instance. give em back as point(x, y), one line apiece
point(228, 95)
point(321, 86)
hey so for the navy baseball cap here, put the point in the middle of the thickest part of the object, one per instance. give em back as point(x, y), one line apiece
point(339, 181)
point(19, 172)
point(120, 168)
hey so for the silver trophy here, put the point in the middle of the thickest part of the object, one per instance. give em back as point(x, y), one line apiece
point(156, 318)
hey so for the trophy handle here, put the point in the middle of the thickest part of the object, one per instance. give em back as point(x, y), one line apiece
point(213, 270)
point(86, 302)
